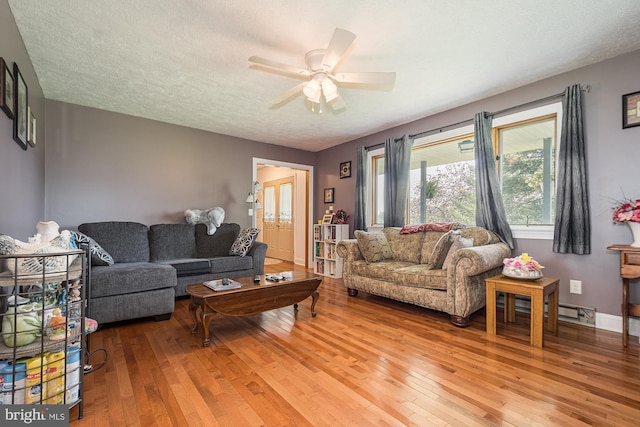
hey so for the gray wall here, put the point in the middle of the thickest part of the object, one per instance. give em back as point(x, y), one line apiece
point(21, 172)
point(613, 155)
point(104, 166)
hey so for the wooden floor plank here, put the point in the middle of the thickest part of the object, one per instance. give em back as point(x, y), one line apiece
point(362, 361)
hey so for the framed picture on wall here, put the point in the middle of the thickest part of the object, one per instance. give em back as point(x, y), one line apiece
point(6, 89)
point(630, 110)
point(345, 169)
point(328, 195)
point(21, 104)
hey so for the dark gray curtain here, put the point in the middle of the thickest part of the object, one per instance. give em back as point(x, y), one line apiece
point(360, 215)
point(397, 157)
point(572, 232)
point(490, 212)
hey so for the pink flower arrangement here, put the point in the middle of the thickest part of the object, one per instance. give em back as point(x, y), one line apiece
point(627, 210)
point(523, 262)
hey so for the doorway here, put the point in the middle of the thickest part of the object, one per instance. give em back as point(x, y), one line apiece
point(277, 218)
point(297, 178)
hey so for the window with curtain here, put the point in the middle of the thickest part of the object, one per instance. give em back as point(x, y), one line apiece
point(442, 177)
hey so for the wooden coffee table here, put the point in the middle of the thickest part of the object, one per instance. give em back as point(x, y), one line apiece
point(251, 298)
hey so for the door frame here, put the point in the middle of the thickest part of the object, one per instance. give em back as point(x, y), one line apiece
point(308, 220)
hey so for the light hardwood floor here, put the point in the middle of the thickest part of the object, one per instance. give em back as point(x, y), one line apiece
point(362, 361)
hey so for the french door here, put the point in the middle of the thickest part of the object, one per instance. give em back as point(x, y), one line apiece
point(278, 218)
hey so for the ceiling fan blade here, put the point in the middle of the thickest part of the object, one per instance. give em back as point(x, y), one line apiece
point(279, 66)
point(338, 103)
point(340, 42)
point(379, 78)
point(288, 94)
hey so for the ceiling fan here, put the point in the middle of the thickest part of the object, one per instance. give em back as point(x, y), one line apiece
point(323, 81)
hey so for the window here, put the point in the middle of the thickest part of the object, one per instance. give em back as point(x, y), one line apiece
point(442, 176)
point(527, 170)
point(442, 182)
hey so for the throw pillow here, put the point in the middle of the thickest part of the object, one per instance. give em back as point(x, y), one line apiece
point(98, 255)
point(374, 246)
point(440, 250)
point(244, 242)
point(459, 242)
point(432, 226)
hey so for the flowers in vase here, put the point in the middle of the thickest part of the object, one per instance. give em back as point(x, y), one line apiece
point(342, 216)
point(626, 210)
point(524, 263)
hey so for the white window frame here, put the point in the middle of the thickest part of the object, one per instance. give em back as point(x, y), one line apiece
point(544, 232)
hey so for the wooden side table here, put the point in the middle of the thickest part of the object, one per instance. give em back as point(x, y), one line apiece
point(629, 269)
point(537, 290)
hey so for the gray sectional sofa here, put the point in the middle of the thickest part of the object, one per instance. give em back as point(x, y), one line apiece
point(153, 265)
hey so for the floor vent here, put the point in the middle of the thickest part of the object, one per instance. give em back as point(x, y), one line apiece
point(566, 312)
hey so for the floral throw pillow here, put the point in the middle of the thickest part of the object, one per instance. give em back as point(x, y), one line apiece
point(244, 242)
point(459, 242)
point(374, 246)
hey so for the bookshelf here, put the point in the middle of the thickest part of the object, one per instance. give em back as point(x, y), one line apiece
point(326, 261)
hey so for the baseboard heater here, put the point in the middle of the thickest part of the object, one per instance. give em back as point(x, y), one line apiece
point(566, 312)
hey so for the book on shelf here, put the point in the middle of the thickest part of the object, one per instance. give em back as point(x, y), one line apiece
point(222, 284)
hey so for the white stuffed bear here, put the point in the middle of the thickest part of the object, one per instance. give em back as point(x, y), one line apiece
point(212, 218)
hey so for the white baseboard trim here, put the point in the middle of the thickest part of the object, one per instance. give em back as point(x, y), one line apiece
point(609, 322)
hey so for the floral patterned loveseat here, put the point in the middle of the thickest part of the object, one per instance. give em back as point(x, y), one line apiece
point(426, 266)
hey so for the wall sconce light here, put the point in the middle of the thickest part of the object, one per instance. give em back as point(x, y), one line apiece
point(465, 146)
point(252, 198)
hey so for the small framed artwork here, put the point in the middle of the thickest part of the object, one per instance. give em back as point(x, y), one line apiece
point(6, 89)
point(32, 128)
point(630, 110)
point(327, 219)
point(328, 195)
point(345, 169)
point(21, 103)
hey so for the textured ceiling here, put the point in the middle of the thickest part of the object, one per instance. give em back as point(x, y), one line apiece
point(186, 62)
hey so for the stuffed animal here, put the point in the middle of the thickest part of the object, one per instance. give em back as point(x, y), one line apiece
point(212, 218)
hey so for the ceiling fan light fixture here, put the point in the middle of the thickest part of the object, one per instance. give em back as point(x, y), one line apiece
point(312, 90)
point(329, 89)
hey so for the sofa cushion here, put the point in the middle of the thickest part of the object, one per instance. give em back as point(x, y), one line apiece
point(458, 242)
point(244, 241)
point(420, 276)
point(405, 247)
point(188, 266)
point(125, 241)
point(377, 270)
point(128, 278)
point(98, 255)
point(231, 263)
point(172, 241)
point(374, 246)
point(217, 244)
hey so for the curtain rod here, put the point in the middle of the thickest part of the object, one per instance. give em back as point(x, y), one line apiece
point(586, 88)
point(496, 113)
